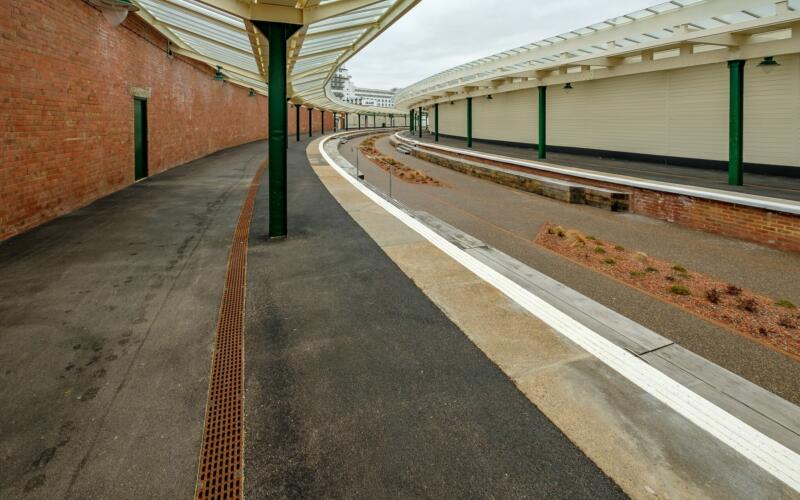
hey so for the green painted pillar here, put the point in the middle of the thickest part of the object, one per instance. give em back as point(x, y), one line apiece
point(436, 122)
point(310, 122)
point(346, 121)
point(411, 120)
point(359, 121)
point(469, 122)
point(277, 33)
point(542, 148)
point(322, 122)
point(297, 121)
point(420, 122)
point(334, 121)
point(736, 124)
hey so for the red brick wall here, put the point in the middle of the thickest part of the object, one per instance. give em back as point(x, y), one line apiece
point(765, 227)
point(66, 108)
point(774, 229)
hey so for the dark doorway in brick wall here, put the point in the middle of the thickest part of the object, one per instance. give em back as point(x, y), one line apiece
point(139, 138)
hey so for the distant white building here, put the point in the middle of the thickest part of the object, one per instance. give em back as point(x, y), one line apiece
point(342, 87)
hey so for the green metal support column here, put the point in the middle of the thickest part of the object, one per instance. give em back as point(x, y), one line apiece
point(420, 121)
point(277, 33)
point(334, 121)
point(310, 122)
point(542, 148)
point(322, 122)
point(297, 121)
point(736, 124)
point(359, 121)
point(411, 120)
point(436, 122)
point(469, 122)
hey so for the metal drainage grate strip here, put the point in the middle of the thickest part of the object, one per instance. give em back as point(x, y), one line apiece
point(220, 472)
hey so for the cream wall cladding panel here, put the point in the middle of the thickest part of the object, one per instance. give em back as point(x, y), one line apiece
point(453, 118)
point(697, 107)
point(616, 114)
point(510, 116)
point(772, 112)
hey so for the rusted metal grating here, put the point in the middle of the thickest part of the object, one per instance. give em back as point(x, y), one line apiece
point(220, 472)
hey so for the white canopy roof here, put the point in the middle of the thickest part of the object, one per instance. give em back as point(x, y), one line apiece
point(220, 33)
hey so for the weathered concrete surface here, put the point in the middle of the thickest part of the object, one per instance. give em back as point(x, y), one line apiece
point(107, 320)
point(650, 450)
point(358, 386)
point(508, 219)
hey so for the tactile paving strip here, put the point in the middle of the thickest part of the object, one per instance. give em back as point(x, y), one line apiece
point(220, 473)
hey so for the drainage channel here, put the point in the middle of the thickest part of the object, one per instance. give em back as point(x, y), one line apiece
point(220, 473)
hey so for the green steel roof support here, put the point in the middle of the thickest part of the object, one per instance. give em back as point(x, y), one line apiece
point(334, 121)
point(542, 146)
point(310, 122)
point(322, 122)
point(436, 122)
point(469, 122)
point(277, 33)
point(736, 123)
point(297, 121)
point(420, 122)
point(411, 121)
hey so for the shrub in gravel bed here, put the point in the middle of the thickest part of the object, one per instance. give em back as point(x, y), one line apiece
point(773, 322)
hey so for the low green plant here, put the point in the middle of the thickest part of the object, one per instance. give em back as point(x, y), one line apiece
point(590, 237)
point(679, 290)
point(619, 247)
point(785, 303)
point(599, 250)
point(610, 261)
point(637, 274)
point(679, 268)
point(650, 269)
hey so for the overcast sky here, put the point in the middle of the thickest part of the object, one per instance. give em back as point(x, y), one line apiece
point(439, 34)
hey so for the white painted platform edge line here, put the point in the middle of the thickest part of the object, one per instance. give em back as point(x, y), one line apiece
point(751, 200)
point(762, 450)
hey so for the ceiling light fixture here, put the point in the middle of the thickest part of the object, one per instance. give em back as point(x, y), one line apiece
point(115, 11)
point(218, 75)
point(768, 64)
point(567, 87)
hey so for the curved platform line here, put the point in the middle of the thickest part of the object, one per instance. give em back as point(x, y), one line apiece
point(750, 200)
point(773, 457)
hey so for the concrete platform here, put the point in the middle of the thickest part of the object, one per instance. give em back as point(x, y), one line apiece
point(756, 184)
point(357, 385)
point(107, 320)
point(635, 439)
point(508, 219)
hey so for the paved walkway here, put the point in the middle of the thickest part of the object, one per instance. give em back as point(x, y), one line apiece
point(509, 219)
point(107, 318)
point(762, 185)
point(356, 384)
point(359, 387)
